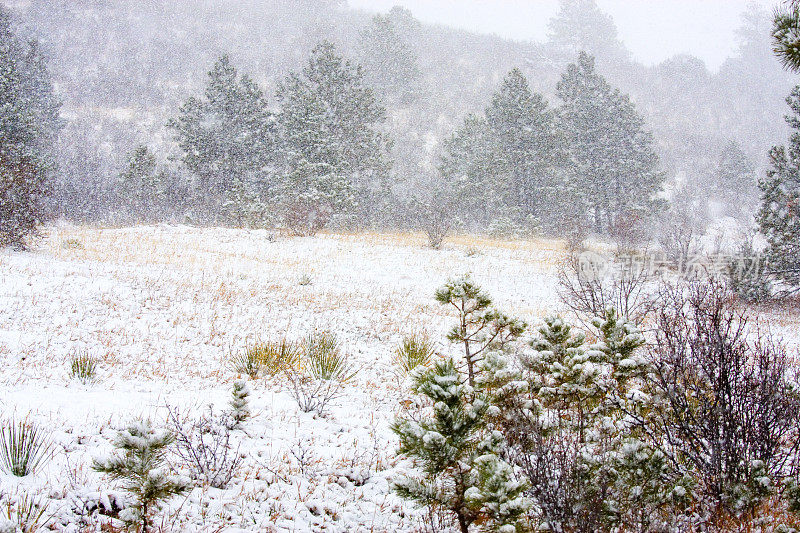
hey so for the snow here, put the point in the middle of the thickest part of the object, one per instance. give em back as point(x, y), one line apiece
point(163, 307)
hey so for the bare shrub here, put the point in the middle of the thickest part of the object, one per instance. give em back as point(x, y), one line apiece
point(436, 228)
point(629, 231)
point(680, 226)
point(305, 217)
point(435, 217)
point(311, 394)
point(726, 407)
point(203, 445)
point(588, 284)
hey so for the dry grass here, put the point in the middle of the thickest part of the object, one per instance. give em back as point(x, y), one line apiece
point(193, 295)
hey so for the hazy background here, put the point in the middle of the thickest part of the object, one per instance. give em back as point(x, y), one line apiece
point(653, 30)
point(700, 72)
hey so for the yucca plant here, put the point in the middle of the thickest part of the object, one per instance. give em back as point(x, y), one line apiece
point(324, 358)
point(278, 356)
point(24, 447)
point(248, 362)
point(413, 352)
point(83, 367)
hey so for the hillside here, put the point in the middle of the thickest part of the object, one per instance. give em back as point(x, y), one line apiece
point(123, 68)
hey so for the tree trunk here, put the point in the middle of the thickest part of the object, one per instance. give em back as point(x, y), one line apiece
point(470, 370)
point(462, 523)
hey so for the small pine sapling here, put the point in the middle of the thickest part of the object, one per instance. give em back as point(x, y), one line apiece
point(562, 374)
point(480, 328)
point(240, 404)
point(458, 453)
point(141, 466)
point(619, 341)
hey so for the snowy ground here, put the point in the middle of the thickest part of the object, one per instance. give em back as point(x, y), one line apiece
point(164, 307)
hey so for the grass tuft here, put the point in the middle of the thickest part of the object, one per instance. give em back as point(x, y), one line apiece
point(83, 367)
point(23, 447)
point(72, 244)
point(28, 514)
point(247, 363)
point(278, 356)
point(413, 352)
point(325, 359)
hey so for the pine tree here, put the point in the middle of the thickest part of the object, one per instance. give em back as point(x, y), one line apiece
point(480, 328)
point(527, 144)
point(735, 182)
point(786, 34)
point(779, 215)
point(142, 185)
point(504, 165)
point(746, 276)
point(467, 167)
point(564, 375)
point(331, 147)
point(614, 167)
point(227, 137)
point(240, 404)
point(586, 464)
point(580, 26)
point(390, 66)
point(29, 125)
point(141, 466)
point(459, 456)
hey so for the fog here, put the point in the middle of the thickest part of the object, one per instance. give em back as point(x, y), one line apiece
point(654, 30)
point(699, 78)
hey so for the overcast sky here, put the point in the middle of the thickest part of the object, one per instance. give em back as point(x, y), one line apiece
point(652, 29)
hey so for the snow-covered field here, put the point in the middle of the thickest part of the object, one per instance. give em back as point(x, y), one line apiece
point(164, 307)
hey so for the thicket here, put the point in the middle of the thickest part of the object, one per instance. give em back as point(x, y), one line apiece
point(694, 427)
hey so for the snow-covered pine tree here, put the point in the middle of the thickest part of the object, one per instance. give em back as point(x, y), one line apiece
point(29, 125)
point(142, 468)
point(504, 164)
point(331, 146)
point(227, 136)
point(786, 34)
point(142, 185)
point(467, 166)
point(579, 26)
point(390, 65)
point(745, 274)
point(735, 183)
point(240, 404)
point(614, 167)
point(779, 215)
point(586, 466)
point(459, 455)
point(563, 375)
point(480, 328)
point(528, 146)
